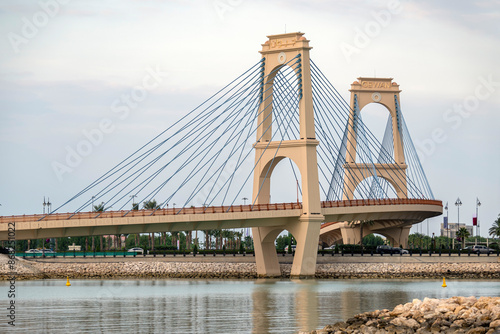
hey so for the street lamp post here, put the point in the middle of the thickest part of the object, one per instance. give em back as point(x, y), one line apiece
point(447, 225)
point(478, 230)
point(92, 205)
point(44, 204)
point(133, 201)
point(458, 203)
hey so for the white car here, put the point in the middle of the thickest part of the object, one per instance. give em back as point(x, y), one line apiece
point(31, 251)
point(136, 250)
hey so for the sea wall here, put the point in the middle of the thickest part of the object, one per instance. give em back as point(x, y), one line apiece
point(27, 269)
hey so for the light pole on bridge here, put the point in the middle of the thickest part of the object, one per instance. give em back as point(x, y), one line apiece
point(133, 201)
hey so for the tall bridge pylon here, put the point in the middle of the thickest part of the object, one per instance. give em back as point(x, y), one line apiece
point(277, 53)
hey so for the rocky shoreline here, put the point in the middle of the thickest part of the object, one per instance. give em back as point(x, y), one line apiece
point(26, 269)
point(454, 315)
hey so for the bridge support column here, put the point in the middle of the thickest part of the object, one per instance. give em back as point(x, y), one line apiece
point(350, 235)
point(266, 257)
point(306, 232)
point(398, 236)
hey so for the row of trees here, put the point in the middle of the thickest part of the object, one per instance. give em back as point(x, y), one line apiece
point(229, 239)
point(215, 239)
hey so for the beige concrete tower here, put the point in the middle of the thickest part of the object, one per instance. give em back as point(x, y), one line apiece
point(385, 92)
point(277, 51)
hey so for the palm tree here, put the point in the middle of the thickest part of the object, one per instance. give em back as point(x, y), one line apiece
point(462, 233)
point(361, 223)
point(189, 239)
point(99, 207)
point(150, 205)
point(173, 240)
point(495, 228)
point(226, 234)
point(238, 235)
point(218, 239)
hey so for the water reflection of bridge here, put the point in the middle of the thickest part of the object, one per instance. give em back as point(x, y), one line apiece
point(314, 304)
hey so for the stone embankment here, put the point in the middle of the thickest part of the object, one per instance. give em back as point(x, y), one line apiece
point(454, 315)
point(29, 269)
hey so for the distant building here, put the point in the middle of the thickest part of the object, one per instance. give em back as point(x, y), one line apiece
point(453, 228)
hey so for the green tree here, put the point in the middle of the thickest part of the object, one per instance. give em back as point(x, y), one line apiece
point(135, 206)
point(238, 235)
point(150, 205)
point(462, 233)
point(373, 240)
point(495, 228)
point(130, 241)
point(361, 224)
point(248, 242)
point(99, 207)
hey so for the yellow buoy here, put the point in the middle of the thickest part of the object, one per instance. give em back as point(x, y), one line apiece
point(67, 282)
point(444, 283)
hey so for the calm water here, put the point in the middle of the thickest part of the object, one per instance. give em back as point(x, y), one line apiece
point(212, 306)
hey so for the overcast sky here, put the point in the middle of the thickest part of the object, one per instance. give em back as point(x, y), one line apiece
point(65, 64)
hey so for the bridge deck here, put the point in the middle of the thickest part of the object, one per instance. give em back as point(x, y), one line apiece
point(207, 218)
point(211, 209)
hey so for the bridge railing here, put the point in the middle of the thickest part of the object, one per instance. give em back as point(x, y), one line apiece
point(386, 201)
point(213, 209)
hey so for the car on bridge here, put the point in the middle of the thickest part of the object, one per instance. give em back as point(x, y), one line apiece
point(386, 249)
point(482, 249)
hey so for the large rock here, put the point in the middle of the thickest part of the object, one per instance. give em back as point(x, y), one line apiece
point(453, 315)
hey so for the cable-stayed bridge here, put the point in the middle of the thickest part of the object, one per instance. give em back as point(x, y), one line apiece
point(282, 109)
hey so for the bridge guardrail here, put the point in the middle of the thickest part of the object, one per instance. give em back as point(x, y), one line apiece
point(213, 209)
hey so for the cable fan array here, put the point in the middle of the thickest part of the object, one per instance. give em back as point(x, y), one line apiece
point(206, 158)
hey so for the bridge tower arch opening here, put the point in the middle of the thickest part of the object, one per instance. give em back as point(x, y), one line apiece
point(376, 188)
point(385, 92)
point(376, 117)
point(285, 181)
point(278, 51)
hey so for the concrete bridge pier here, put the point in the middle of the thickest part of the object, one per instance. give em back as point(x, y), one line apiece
point(266, 257)
point(306, 231)
point(398, 235)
